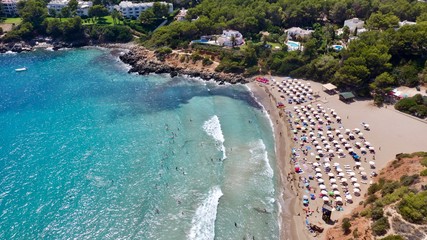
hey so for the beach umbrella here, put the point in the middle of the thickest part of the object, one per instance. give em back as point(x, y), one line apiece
point(320, 180)
point(326, 160)
point(343, 140)
point(351, 135)
point(338, 118)
point(305, 197)
point(331, 151)
point(357, 130)
point(334, 186)
point(363, 150)
point(318, 147)
point(363, 173)
point(327, 146)
point(343, 179)
point(371, 163)
point(333, 180)
point(323, 192)
point(321, 186)
point(341, 174)
point(353, 179)
point(336, 192)
point(358, 143)
point(356, 185)
point(331, 174)
point(327, 165)
point(320, 151)
point(352, 174)
point(349, 197)
point(360, 134)
point(340, 150)
point(350, 149)
point(358, 163)
point(340, 136)
point(315, 164)
point(347, 145)
point(367, 144)
point(328, 132)
point(316, 143)
point(336, 164)
point(339, 169)
point(338, 199)
point(311, 133)
point(366, 126)
point(337, 131)
point(371, 148)
point(319, 175)
point(362, 169)
point(325, 198)
point(347, 130)
point(335, 142)
point(331, 193)
point(317, 169)
point(356, 190)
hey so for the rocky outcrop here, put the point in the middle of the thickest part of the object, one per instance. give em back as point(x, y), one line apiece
point(143, 61)
point(15, 47)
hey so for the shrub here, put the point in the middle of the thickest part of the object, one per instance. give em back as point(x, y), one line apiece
point(373, 188)
point(424, 161)
point(377, 213)
point(206, 61)
point(1, 30)
point(251, 71)
point(423, 173)
point(393, 237)
point(196, 57)
point(182, 58)
point(346, 225)
point(413, 207)
point(408, 180)
point(380, 226)
point(370, 199)
point(366, 213)
point(389, 187)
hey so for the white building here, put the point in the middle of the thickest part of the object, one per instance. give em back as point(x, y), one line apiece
point(10, 7)
point(181, 15)
point(130, 9)
point(82, 7)
point(226, 38)
point(354, 23)
point(406, 22)
point(294, 32)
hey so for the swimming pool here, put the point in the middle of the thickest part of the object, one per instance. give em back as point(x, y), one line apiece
point(293, 45)
point(337, 47)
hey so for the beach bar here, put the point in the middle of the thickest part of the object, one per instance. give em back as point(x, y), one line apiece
point(329, 88)
point(346, 96)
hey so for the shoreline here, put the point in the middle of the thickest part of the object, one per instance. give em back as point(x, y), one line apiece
point(288, 219)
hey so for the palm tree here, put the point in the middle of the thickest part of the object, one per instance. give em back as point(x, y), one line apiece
point(233, 40)
point(115, 15)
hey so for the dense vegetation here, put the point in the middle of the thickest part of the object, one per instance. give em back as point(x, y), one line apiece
point(411, 203)
point(379, 60)
point(416, 105)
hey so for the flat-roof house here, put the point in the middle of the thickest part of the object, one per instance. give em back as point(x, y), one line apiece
point(130, 9)
point(82, 7)
point(406, 22)
point(181, 15)
point(227, 36)
point(295, 32)
point(354, 23)
point(10, 8)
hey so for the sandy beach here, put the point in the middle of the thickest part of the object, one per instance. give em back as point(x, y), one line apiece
point(390, 132)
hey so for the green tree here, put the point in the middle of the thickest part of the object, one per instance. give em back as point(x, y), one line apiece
point(147, 16)
point(52, 13)
point(54, 28)
point(345, 33)
point(65, 12)
point(97, 11)
point(115, 15)
point(381, 21)
point(33, 12)
point(346, 225)
point(160, 9)
point(72, 5)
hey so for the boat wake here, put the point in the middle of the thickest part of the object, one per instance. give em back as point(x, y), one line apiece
point(213, 128)
point(259, 152)
point(203, 222)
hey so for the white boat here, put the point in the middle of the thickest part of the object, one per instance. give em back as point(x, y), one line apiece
point(21, 69)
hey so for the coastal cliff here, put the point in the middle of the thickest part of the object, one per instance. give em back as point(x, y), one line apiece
point(144, 61)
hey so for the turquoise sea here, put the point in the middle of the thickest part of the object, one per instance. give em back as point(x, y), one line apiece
point(88, 151)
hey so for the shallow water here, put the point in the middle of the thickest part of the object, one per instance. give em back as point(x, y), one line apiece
point(88, 151)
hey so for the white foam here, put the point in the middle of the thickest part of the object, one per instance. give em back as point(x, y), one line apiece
point(203, 222)
point(213, 128)
point(259, 151)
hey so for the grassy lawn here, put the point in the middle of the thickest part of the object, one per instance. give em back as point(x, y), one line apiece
point(17, 21)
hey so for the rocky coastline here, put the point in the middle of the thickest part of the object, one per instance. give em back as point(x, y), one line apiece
point(144, 61)
point(23, 46)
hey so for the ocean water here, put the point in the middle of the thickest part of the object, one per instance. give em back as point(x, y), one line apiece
point(88, 151)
